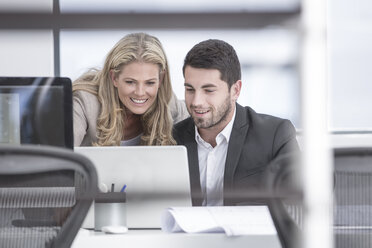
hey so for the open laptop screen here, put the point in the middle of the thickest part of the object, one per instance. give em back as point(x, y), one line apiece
point(36, 110)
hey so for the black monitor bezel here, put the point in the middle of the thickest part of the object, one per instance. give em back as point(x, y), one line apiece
point(50, 81)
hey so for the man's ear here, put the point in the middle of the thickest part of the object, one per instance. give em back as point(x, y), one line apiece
point(113, 78)
point(235, 90)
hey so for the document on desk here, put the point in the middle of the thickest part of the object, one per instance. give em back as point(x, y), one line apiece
point(236, 220)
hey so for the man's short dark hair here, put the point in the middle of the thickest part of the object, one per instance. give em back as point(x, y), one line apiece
point(215, 54)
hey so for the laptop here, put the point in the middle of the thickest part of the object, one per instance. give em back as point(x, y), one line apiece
point(156, 177)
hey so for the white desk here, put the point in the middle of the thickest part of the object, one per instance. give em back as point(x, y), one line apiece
point(158, 238)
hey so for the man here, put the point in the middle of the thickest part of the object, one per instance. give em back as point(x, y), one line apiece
point(228, 145)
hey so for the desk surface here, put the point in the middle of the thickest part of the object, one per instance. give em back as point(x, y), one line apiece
point(158, 238)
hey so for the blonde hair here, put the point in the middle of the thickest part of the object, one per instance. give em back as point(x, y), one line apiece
point(156, 121)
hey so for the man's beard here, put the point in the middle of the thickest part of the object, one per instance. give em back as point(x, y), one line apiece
point(221, 114)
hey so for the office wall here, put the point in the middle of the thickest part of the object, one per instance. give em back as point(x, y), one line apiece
point(350, 54)
point(26, 53)
point(26, 6)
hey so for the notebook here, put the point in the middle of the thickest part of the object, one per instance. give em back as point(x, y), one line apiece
point(156, 177)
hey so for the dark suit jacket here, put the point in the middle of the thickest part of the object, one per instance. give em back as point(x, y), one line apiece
point(255, 140)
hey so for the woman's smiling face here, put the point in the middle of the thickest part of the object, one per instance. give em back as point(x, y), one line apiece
point(138, 84)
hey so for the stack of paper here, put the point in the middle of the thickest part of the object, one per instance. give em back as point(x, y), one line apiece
point(240, 220)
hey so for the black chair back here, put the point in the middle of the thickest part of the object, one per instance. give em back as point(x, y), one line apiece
point(45, 194)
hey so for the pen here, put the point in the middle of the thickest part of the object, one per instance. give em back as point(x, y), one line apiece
point(122, 189)
point(112, 187)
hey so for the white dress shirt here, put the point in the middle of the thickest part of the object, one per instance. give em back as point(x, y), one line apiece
point(212, 165)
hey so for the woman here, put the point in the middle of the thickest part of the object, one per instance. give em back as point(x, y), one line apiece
point(130, 101)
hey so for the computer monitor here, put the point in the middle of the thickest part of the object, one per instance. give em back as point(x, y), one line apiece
point(36, 110)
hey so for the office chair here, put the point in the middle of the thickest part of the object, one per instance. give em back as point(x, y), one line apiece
point(283, 186)
point(45, 194)
point(353, 197)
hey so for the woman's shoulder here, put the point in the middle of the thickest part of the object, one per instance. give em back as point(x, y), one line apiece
point(86, 110)
point(86, 102)
point(178, 109)
point(85, 96)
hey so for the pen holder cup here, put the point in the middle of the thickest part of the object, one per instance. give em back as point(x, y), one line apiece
point(110, 210)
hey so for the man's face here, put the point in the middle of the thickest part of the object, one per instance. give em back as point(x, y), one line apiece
point(208, 99)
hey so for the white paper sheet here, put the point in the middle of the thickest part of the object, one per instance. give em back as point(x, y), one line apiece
point(239, 220)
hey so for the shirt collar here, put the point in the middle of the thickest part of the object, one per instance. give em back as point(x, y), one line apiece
point(226, 132)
